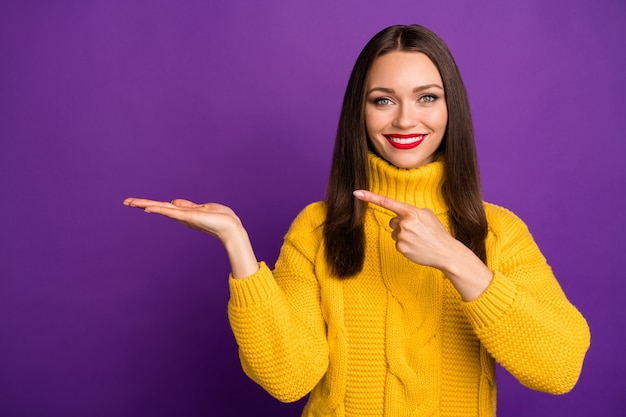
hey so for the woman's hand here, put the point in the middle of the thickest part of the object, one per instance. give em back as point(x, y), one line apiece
point(215, 219)
point(421, 238)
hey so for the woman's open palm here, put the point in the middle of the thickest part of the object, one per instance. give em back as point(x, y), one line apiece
point(212, 218)
point(215, 219)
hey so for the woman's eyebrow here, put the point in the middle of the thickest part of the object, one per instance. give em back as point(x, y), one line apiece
point(415, 90)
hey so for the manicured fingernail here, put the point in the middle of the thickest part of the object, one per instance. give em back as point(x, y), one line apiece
point(359, 194)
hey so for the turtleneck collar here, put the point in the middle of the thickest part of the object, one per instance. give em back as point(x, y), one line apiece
point(420, 187)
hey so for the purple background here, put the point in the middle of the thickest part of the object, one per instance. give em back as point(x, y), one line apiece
point(107, 311)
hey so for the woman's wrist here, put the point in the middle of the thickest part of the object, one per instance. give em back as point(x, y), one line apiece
point(469, 275)
point(242, 259)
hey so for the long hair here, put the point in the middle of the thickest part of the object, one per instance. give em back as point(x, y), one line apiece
point(344, 235)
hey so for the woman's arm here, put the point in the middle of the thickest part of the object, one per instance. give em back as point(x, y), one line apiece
point(524, 319)
point(278, 325)
point(516, 308)
point(277, 317)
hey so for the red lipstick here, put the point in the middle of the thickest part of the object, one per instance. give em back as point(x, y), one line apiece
point(409, 141)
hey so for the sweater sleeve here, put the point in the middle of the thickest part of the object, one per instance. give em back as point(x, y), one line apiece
point(523, 318)
point(277, 321)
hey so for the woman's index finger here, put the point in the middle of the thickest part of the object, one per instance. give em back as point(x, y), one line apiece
point(382, 201)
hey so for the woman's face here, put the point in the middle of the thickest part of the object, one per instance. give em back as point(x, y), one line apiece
point(405, 111)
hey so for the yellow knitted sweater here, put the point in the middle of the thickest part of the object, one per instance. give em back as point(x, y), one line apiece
point(397, 340)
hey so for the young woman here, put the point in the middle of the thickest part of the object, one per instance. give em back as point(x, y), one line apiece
point(396, 294)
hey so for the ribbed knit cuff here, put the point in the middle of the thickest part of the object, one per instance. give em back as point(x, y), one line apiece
point(493, 304)
point(255, 289)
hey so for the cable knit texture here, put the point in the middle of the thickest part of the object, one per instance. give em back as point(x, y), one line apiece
point(397, 339)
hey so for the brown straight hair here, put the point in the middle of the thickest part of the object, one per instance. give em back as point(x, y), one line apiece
point(344, 235)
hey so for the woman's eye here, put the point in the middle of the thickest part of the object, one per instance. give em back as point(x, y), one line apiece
point(428, 98)
point(383, 101)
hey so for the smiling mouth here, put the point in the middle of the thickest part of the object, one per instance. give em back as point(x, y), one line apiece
point(405, 141)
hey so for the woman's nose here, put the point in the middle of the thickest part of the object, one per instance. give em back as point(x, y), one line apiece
point(405, 118)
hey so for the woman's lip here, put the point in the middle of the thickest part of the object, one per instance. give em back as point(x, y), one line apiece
point(400, 136)
point(409, 141)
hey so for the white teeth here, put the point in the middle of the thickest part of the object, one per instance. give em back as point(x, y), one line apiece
point(405, 141)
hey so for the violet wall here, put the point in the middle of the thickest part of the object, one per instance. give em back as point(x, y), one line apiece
point(107, 311)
